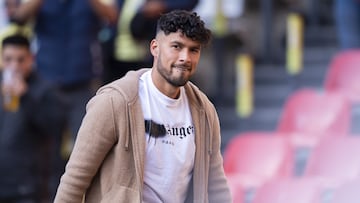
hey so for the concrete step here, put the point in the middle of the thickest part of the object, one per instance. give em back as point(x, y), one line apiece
point(320, 35)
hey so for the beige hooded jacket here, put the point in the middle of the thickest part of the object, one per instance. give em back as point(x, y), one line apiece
point(107, 161)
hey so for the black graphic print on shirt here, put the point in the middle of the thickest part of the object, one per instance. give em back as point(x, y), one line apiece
point(156, 130)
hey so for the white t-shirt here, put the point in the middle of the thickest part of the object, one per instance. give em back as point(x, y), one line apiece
point(170, 146)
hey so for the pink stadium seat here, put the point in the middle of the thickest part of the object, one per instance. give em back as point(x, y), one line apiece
point(344, 74)
point(252, 158)
point(334, 160)
point(308, 115)
point(347, 193)
point(304, 190)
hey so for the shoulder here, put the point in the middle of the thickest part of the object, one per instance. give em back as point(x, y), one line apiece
point(126, 87)
point(197, 97)
point(119, 94)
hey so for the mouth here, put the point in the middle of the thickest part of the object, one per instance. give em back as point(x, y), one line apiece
point(182, 67)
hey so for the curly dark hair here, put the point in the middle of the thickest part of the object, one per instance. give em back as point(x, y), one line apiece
point(189, 23)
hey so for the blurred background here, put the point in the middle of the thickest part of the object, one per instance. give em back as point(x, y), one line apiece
point(284, 76)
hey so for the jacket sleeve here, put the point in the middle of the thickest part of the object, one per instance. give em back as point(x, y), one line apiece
point(95, 138)
point(218, 188)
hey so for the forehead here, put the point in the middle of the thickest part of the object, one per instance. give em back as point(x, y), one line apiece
point(178, 37)
point(15, 50)
point(15, 47)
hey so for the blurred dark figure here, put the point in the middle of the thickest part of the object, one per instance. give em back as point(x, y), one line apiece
point(31, 116)
point(10, 8)
point(136, 28)
point(68, 51)
point(13, 26)
point(347, 19)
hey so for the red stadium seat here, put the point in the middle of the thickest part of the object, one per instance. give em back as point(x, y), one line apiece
point(251, 158)
point(344, 74)
point(347, 193)
point(303, 190)
point(308, 115)
point(334, 160)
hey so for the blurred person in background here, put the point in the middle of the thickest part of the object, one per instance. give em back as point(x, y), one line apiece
point(12, 25)
point(3, 18)
point(136, 28)
point(347, 20)
point(68, 52)
point(151, 136)
point(31, 116)
point(223, 18)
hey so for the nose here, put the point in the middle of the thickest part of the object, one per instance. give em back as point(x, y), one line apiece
point(184, 56)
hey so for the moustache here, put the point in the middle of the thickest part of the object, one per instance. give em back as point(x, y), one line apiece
point(182, 66)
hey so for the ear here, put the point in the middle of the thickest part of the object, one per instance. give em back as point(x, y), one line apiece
point(154, 47)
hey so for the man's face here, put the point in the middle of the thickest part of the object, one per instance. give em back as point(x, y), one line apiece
point(18, 58)
point(10, 7)
point(175, 57)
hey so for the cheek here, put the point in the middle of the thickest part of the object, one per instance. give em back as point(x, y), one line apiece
point(29, 62)
point(26, 66)
point(167, 58)
point(195, 61)
point(196, 58)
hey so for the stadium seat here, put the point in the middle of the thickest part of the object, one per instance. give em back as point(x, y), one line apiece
point(347, 193)
point(334, 160)
point(309, 115)
point(289, 190)
point(343, 74)
point(251, 158)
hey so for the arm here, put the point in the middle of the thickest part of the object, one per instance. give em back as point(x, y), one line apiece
point(181, 4)
point(27, 10)
point(95, 138)
point(218, 188)
point(152, 8)
point(108, 12)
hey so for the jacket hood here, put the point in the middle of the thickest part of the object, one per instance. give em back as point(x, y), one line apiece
point(125, 85)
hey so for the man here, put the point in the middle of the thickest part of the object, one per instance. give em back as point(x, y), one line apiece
point(68, 47)
point(13, 26)
point(151, 136)
point(136, 28)
point(66, 50)
point(31, 116)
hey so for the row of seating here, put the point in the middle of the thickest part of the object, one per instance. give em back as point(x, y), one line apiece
point(255, 159)
point(262, 166)
point(301, 190)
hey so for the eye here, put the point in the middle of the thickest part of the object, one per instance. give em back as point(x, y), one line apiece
point(175, 46)
point(7, 59)
point(195, 50)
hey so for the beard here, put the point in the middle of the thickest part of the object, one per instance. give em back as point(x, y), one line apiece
point(175, 79)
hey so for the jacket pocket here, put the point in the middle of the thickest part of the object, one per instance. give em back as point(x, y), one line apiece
point(121, 194)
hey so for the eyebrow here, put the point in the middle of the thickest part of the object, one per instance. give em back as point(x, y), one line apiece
point(183, 44)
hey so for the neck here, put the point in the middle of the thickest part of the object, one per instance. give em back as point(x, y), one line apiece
point(164, 87)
